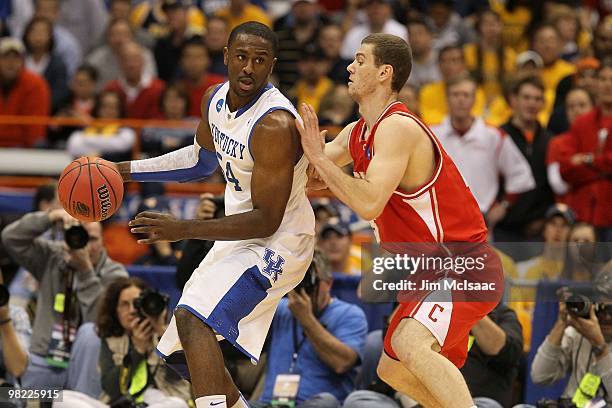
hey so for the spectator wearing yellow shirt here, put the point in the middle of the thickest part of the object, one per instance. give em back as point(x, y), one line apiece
point(515, 16)
point(547, 43)
point(488, 60)
point(151, 17)
point(432, 97)
point(241, 11)
point(313, 84)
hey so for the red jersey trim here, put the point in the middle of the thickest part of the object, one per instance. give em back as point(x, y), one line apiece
point(434, 178)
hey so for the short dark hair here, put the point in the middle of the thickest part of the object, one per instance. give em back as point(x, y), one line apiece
point(107, 321)
point(392, 50)
point(449, 48)
point(521, 81)
point(418, 22)
point(46, 192)
point(256, 29)
point(465, 77)
point(90, 71)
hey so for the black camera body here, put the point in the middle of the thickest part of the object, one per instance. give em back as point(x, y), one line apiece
point(578, 305)
point(151, 302)
point(76, 237)
point(561, 403)
point(310, 281)
point(4, 295)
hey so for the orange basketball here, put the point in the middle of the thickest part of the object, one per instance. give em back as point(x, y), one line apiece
point(90, 189)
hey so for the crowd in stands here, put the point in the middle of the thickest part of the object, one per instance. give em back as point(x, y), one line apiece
point(519, 94)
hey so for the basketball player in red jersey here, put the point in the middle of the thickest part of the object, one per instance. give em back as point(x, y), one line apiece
point(412, 191)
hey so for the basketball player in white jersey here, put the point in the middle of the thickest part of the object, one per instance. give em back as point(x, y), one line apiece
point(266, 241)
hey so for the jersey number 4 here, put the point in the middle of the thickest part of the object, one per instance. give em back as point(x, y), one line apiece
point(229, 176)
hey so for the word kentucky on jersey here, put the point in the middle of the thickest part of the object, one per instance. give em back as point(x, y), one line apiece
point(228, 145)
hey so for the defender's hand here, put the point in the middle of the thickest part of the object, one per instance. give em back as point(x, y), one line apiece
point(313, 141)
point(157, 227)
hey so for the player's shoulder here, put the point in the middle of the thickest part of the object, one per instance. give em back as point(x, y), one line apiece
point(211, 91)
point(277, 118)
point(400, 121)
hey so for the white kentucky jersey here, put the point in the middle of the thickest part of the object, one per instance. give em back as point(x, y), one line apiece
point(231, 132)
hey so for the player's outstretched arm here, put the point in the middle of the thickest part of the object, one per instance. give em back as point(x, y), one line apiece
point(187, 164)
point(367, 196)
point(275, 145)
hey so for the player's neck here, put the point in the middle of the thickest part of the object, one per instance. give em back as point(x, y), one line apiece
point(235, 102)
point(376, 103)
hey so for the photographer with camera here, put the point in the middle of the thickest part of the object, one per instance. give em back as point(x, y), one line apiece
point(130, 321)
point(15, 333)
point(316, 342)
point(71, 275)
point(580, 343)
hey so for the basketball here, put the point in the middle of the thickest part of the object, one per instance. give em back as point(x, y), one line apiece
point(90, 189)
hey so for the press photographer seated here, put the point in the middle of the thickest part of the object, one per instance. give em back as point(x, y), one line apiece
point(130, 321)
point(580, 344)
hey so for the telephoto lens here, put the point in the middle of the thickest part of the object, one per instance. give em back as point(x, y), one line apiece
point(76, 237)
point(150, 303)
point(578, 305)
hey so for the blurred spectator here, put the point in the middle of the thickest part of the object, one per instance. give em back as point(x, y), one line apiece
point(337, 107)
point(424, 58)
point(196, 79)
point(160, 253)
point(409, 96)
point(549, 264)
point(109, 140)
point(546, 41)
point(85, 19)
point(586, 78)
point(66, 45)
point(317, 336)
point(379, 20)
point(169, 46)
point(448, 26)
point(578, 102)
point(313, 84)
point(488, 60)
point(515, 16)
point(581, 263)
point(432, 97)
point(127, 354)
point(24, 94)
point(138, 88)
point(580, 347)
point(323, 211)
point(330, 41)
point(15, 334)
point(42, 59)
point(107, 57)
point(602, 39)
point(589, 163)
point(335, 241)
point(492, 364)
point(241, 11)
point(195, 250)
point(122, 10)
point(119, 9)
point(215, 39)
point(482, 153)
point(149, 16)
point(15, 15)
point(161, 140)
point(574, 40)
point(524, 219)
point(70, 281)
point(295, 30)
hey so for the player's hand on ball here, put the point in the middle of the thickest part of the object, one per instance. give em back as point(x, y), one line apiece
point(313, 141)
point(157, 227)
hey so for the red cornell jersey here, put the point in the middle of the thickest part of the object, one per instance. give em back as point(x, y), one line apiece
point(442, 210)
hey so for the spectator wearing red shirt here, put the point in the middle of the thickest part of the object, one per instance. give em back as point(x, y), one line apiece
point(196, 78)
point(589, 164)
point(23, 93)
point(140, 91)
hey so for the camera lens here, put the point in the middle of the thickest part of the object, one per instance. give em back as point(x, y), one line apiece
point(578, 305)
point(76, 237)
point(150, 303)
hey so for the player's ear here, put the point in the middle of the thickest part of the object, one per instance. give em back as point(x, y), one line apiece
point(386, 72)
point(272, 66)
point(225, 52)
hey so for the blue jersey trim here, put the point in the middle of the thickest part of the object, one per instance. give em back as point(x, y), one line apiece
point(225, 335)
point(275, 108)
point(206, 165)
point(253, 101)
point(212, 97)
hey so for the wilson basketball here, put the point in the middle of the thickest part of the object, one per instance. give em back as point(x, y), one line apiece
point(90, 189)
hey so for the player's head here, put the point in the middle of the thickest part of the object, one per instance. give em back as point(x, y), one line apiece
point(382, 60)
point(250, 56)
